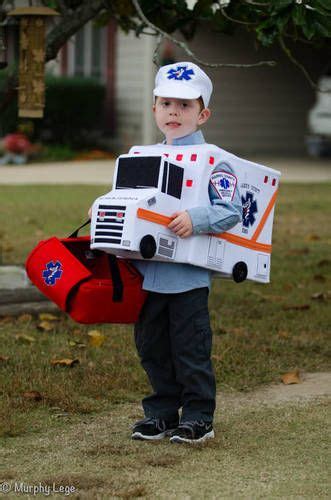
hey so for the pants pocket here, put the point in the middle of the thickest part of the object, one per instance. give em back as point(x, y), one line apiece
point(204, 334)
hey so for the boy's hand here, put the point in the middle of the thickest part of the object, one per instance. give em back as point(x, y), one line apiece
point(181, 224)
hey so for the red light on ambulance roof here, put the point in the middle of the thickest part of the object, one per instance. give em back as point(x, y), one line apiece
point(273, 182)
point(136, 152)
point(179, 157)
point(211, 160)
point(189, 182)
point(265, 179)
point(193, 157)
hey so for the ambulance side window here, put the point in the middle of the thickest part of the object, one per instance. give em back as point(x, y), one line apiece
point(172, 181)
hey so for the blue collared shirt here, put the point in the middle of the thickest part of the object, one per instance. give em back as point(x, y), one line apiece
point(169, 277)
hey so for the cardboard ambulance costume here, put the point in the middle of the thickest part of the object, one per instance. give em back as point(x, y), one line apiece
point(152, 182)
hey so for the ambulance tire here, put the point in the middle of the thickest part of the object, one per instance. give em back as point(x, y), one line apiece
point(147, 246)
point(239, 272)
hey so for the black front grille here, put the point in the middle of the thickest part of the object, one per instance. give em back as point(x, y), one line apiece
point(109, 224)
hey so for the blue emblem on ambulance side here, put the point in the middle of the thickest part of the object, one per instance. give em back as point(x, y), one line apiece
point(52, 272)
point(180, 73)
point(249, 209)
point(223, 184)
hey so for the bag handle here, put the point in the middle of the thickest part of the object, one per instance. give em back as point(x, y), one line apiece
point(75, 233)
point(116, 278)
point(113, 265)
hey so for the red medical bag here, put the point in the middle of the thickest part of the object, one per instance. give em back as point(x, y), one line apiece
point(91, 286)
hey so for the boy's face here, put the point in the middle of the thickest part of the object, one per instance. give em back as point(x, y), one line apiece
point(178, 117)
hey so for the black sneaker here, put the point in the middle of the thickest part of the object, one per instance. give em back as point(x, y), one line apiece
point(192, 432)
point(150, 428)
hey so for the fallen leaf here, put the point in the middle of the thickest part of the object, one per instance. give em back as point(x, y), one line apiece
point(6, 319)
point(3, 359)
point(324, 262)
point(287, 287)
point(298, 251)
point(25, 338)
point(46, 326)
point(217, 357)
point(25, 318)
point(64, 362)
point(96, 338)
point(35, 395)
point(283, 334)
point(291, 378)
point(319, 277)
point(313, 237)
point(73, 343)
point(48, 317)
point(299, 307)
point(318, 296)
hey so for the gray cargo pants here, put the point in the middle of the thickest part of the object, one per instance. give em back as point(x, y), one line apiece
point(174, 339)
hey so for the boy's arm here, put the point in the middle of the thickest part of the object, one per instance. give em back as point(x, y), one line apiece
point(225, 210)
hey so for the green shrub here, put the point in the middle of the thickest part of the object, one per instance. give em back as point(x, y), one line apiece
point(73, 112)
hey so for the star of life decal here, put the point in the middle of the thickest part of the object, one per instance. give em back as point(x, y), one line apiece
point(52, 272)
point(224, 184)
point(249, 209)
point(180, 73)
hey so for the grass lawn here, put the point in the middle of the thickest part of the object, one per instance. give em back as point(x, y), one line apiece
point(260, 331)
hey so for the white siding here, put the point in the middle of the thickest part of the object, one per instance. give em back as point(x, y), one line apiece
point(134, 75)
point(258, 110)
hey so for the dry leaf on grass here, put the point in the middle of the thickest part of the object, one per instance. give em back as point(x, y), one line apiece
point(298, 307)
point(25, 318)
point(96, 338)
point(73, 343)
point(291, 378)
point(65, 362)
point(313, 237)
point(46, 326)
point(298, 251)
point(318, 296)
point(324, 262)
point(319, 277)
point(25, 338)
point(283, 334)
point(3, 359)
point(6, 319)
point(34, 395)
point(48, 317)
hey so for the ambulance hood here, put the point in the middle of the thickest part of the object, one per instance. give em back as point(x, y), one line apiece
point(130, 196)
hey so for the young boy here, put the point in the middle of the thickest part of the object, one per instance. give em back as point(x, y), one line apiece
point(173, 335)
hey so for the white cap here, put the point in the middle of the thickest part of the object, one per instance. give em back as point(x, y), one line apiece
point(183, 80)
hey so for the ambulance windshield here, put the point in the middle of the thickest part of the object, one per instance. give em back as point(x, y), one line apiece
point(138, 172)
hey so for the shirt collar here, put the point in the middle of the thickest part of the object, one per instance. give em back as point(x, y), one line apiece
point(194, 138)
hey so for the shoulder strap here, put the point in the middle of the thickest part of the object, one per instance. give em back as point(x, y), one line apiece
point(116, 278)
point(75, 233)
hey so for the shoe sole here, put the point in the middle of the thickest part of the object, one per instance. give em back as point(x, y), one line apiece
point(178, 439)
point(143, 437)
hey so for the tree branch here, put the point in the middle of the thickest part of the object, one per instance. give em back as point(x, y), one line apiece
point(70, 24)
point(188, 51)
point(299, 65)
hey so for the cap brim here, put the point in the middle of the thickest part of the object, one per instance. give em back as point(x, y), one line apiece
point(177, 90)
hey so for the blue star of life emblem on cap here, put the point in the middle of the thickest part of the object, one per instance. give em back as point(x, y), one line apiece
point(249, 209)
point(52, 272)
point(180, 73)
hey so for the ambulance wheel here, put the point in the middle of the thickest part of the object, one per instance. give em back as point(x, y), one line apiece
point(239, 272)
point(147, 246)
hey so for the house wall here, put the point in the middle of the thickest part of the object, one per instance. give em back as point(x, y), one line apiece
point(261, 110)
point(134, 76)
